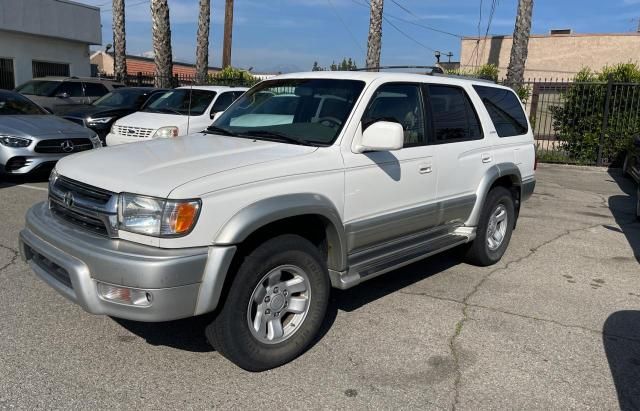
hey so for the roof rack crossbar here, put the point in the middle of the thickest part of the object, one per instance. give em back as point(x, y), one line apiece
point(434, 69)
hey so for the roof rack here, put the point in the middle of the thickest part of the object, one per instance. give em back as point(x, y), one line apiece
point(434, 69)
point(465, 77)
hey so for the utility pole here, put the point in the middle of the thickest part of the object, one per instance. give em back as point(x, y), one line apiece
point(374, 42)
point(228, 34)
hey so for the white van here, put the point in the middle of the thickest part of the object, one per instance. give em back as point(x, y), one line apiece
point(178, 112)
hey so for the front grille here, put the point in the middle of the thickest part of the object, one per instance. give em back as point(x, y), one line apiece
point(76, 120)
point(128, 131)
point(16, 163)
point(65, 145)
point(85, 206)
point(54, 270)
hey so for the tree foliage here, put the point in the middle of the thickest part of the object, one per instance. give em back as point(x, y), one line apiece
point(579, 121)
point(345, 65)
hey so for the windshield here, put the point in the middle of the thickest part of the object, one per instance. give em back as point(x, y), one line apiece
point(302, 111)
point(14, 104)
point(38, 88)
point(122, 98)
point(177, 102)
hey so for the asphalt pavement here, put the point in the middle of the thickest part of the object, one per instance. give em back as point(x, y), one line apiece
point(554, 325)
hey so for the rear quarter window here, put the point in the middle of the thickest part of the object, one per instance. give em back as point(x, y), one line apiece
point(505, 110)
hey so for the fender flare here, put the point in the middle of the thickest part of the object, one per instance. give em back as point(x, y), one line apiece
point(256, 215)
point(491, 176)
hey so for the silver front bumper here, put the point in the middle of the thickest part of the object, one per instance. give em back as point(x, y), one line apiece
point(183, 282)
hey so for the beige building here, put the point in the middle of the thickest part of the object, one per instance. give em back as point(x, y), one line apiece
point(560, 54)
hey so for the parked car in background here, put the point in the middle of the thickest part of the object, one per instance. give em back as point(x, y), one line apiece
point(631, 169)
point(58, 93)
point(178, 112)
point(102, 113)
point(31, 138)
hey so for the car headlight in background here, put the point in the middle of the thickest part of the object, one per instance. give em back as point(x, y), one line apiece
point(166, 132)
point(95, 140)
point(99, 120)
point(157, 217)
point(14, 142)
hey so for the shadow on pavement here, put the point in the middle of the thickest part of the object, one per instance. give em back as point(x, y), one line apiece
point(188, 334)
point(621, 339)
point(623, 208)
point(39, 176)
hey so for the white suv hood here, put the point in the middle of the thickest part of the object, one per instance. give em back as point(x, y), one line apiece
point(156, 167)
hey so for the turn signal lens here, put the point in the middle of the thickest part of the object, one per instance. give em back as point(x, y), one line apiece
point(180, 216)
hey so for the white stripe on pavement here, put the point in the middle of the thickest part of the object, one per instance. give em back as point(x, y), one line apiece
point(33, 187)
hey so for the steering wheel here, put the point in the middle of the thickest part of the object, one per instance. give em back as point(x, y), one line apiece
point(330, 122)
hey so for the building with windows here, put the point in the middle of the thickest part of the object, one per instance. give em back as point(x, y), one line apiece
point(46, 38)
point(560, 54)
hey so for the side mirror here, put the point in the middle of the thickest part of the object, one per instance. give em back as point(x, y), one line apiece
point(214, 116)
point(381, 136)
point(62, 95)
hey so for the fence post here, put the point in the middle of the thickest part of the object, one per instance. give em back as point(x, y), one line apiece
point(605, 120)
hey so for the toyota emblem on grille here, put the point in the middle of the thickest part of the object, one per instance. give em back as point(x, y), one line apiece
point(68, 199)
point(131, 131)
point(67, 146)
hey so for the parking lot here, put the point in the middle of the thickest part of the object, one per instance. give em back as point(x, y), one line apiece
point(555, 325)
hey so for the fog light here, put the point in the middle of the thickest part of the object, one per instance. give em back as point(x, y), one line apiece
point(124, 295)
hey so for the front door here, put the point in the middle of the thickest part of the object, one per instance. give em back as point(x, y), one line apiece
point(391, 194)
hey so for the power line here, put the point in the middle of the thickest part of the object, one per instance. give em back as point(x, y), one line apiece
point(494, 5)
point(406, 35)
point(424, 26)
point(127, 5)
point(353, 37)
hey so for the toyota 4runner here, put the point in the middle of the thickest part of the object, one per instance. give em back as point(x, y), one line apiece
point(350, 176)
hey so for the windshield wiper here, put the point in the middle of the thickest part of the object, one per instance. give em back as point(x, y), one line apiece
point(168, 110)
point(219, 130)
point(274, 135)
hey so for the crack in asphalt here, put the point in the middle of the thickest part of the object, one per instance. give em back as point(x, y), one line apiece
point(465, 314)
point(12, 260)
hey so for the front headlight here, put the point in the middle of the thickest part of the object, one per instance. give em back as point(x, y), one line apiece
point(99, 120)
point(157, 217)
point(14, 142)
point(95, 140)
point(166, 132)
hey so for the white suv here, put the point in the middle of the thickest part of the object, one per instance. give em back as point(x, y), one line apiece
point(177, 112)
point(257, 219)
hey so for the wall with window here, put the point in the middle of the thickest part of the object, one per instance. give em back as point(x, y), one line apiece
point(24, 49)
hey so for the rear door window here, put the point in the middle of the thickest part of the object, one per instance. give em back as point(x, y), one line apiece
point(453, 116)
point(94, 90)
point(224, 100)
point(505, 110)
point(72, 88)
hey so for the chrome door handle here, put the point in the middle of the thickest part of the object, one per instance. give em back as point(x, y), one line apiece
point(425, 169)
point(486, 158)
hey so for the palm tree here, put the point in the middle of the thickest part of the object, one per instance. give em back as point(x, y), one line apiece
point(119, 41)
point(202, 47)
point(519, 49)
point(375, 34)
point(161, 28)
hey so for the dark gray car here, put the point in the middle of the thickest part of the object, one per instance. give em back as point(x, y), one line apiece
point(31, 138)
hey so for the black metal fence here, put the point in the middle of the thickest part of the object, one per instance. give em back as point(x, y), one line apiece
point(148, 79)
point(583, 123)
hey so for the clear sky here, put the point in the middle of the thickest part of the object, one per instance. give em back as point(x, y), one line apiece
point(289, 35)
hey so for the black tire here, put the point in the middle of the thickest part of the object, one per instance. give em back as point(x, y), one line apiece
point(479, 252)
point(638, 203)
point(230, 334)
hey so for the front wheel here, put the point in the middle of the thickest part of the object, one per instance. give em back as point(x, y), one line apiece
point(494, 229)
point(275, 306)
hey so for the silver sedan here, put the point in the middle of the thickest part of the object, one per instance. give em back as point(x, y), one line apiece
point(31, 138)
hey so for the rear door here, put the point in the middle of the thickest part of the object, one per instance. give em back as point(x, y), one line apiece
point(462, 154)
point(67, 94)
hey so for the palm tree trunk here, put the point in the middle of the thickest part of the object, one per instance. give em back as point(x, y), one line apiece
point(375, 34)
point(161, 28)
point(519, 49)
point(202, 47)
point(119, 41)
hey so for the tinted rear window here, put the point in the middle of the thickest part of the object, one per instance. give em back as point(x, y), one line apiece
point(505, 110)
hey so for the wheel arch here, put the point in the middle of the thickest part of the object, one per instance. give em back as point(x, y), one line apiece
point(293, 211)
point(503, 174)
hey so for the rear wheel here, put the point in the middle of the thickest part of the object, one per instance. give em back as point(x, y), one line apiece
point(494, 229)
point(275, 306)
